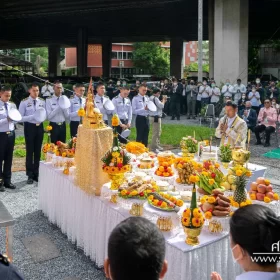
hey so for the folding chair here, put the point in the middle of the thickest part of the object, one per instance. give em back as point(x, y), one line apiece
point(209, 115)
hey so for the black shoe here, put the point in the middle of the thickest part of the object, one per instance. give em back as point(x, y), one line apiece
point(258, 143)
point(194, 117)
point(266, 145)
point(178, 119)
point(35, 177)
point(10, 186)
point(29, 181)
point(2, 188)
point(173, 118)
point(188, 117)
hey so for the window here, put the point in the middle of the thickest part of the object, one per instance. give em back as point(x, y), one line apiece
point(129, 55)
point(119, 55)
point(114, 55)
point(266, 50)
point(124, 55)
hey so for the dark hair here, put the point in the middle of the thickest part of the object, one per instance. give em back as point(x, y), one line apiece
point(142, 86)
point(136, 250)
point(125, 88)
point(255, 228)
point(231, 104)
point(238, 80)
point(267, 99)
point(34, 84)
point(6, 88)
point(99, 85)
point(79, 85)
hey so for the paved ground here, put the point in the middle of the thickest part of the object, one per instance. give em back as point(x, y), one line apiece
point(71, 264)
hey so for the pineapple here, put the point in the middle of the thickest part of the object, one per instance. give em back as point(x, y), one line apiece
point(240, 194)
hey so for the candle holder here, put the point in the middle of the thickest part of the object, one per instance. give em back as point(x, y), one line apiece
point(114, 198)
point(136, 209)
point(165, 224)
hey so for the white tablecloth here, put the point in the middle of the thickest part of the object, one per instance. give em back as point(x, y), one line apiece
point(89, 220)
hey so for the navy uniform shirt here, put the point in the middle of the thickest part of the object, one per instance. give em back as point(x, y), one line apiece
point(6, 125)
point(54, 112)
point(76, 104)
point(28, 107)
point(99, 103)
point(123, 108)
point(8, 271)
point(139, 103)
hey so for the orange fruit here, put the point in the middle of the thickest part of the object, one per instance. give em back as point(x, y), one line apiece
point(169, 169)
point(159, 173)
point(166, 174)
point(179, 165)
point(178, 180)
point(161, 168)
point(165, 164)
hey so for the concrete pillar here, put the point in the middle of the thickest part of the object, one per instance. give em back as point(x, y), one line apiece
point(176, 56)
point(54, 59)
point(106, 58)
point(211, 36)
point(82, 52)
point(231, 40)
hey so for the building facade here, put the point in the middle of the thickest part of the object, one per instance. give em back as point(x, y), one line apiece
point(270, 61)
point(122, 64)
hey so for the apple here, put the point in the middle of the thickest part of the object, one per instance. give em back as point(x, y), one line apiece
point(269, 195)
point(207, 206)
point(254, 186)
point(260, 180)
point(260, 196)
point(261, 188)
point(269, 188)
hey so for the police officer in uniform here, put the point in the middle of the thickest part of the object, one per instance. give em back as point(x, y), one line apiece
point(33, 132)
point(100, 99)
point(140, 109)
point(8, 271)
point(123, 109)
point(7, 139)
point(56, 115)
point(77, 102)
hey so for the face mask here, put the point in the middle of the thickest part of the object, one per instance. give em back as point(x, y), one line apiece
point(118, 83)
point(175, 84)
point(205, 83)
point(213, 85)
point(243, 96)
point(253, 90)
point(227, 84)
point(257, 81)
point(162, 84)
point(273, 102)
point(234, 259)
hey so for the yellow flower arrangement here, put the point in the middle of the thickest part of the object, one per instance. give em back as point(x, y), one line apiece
point(136, 148)
point(64, 154)
point(115, 120)
point(197, 213)
point(115, 154)
point(197, 222)
point(202, 200)
point(208, 215)
point(248, 173)
point(276, 196)
point(194, 179)
point(185, 221)
point(267, 199)
point(217, 165)
point(187, 213)
point(204, 173)
point(49, 128)
point(211, 182)
point(81, 112)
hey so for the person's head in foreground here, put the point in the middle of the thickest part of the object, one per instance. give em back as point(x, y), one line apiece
point(254, 229)
point(136, 250)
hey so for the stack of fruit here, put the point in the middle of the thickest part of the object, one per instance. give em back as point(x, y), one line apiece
point(262, 190)
point(164, 170)
point(229, 181)
point(185, 170)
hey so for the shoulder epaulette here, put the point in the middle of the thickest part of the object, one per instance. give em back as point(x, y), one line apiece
point(24, 99)
point(12, 102)
point(49, 97)
point(41, 98)
point(4, 260)
point(71, 97)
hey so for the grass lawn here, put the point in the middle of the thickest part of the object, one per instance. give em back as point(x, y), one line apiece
point(171, 135)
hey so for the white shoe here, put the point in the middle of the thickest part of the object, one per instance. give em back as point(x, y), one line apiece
point(160, 148)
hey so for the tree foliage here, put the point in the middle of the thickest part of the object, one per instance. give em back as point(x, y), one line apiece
point(150, 56)
point(193, 67)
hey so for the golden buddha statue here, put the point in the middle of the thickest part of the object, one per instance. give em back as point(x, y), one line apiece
point(93, 118)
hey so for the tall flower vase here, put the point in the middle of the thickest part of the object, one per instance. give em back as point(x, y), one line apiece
point(116, 180)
